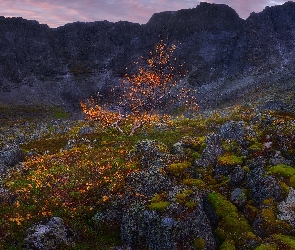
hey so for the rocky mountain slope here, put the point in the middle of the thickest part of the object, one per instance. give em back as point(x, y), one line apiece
point(229, 59)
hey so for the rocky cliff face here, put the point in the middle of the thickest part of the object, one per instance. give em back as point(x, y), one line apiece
point(226, 56)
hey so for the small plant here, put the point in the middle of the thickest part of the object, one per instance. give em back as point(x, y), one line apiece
point(199, 243)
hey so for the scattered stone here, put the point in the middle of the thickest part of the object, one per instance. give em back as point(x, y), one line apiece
point(142, 227)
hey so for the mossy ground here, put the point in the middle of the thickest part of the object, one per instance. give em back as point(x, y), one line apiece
point(76, 183)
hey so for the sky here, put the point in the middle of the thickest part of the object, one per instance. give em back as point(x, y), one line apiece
point(56, 13)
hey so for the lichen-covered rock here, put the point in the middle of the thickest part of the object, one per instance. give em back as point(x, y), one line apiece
point(237, 176)
point(211, 152)
point(149, 152)
point(143, 228)
point(287, 208)
point(233, 130)
point(149, 181)
point(264, 187)
point(266, 222)
point(11, 154)
point(49, 234)
point(177, 148)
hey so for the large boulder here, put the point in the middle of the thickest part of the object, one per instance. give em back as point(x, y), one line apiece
point(142, 227)
point(51, 233)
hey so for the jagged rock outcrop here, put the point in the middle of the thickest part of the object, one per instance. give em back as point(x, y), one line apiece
point(228, 58)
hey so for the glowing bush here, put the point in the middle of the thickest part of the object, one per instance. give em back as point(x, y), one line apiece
point(143, 96)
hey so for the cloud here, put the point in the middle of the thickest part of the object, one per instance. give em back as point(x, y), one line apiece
point(56, 13)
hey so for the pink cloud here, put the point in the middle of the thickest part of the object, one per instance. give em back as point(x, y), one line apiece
point(56, 13)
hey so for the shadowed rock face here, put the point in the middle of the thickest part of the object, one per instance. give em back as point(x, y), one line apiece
point(223, 53)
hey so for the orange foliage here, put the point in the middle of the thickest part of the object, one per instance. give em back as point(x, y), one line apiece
point(143, 93)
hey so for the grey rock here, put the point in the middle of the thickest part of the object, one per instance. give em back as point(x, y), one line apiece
point(141, 227)
point(212, 151)
point(233, 130)
point(263, 186)
point(11, 154)
point(238, 197)
point(86, 130)
point(237, 176)
point(150, 153)
point(49, 234)
point(149, 181)
point(285, 208)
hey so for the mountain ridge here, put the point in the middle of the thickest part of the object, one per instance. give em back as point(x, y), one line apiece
point(61, 66)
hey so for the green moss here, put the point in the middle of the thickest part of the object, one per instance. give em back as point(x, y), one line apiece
point(51, 145)
point(267, 246)
point(190, 204)
point(232, 225)
point(194, 182)
point(157, 198)
point(221, 206)
point(256, 146)
point(228, 245)
point(183, 197)
point(59, 113)
point(282, 170)
point(159, 206)
point(199, 243)
point(292, 181)
point(229, 159)
point(233, 146)
point(178, 169)
point(196, 155)
point(286, 240)
point(285, 189)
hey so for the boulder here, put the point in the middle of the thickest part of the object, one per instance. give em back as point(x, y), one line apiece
point(263, 186)
point(142, 227)
point(11, 154)
point(287, 208)
point(233, 130)
point(211, 152)
point(48, 234)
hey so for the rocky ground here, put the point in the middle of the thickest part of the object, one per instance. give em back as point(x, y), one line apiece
point(224, 179)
